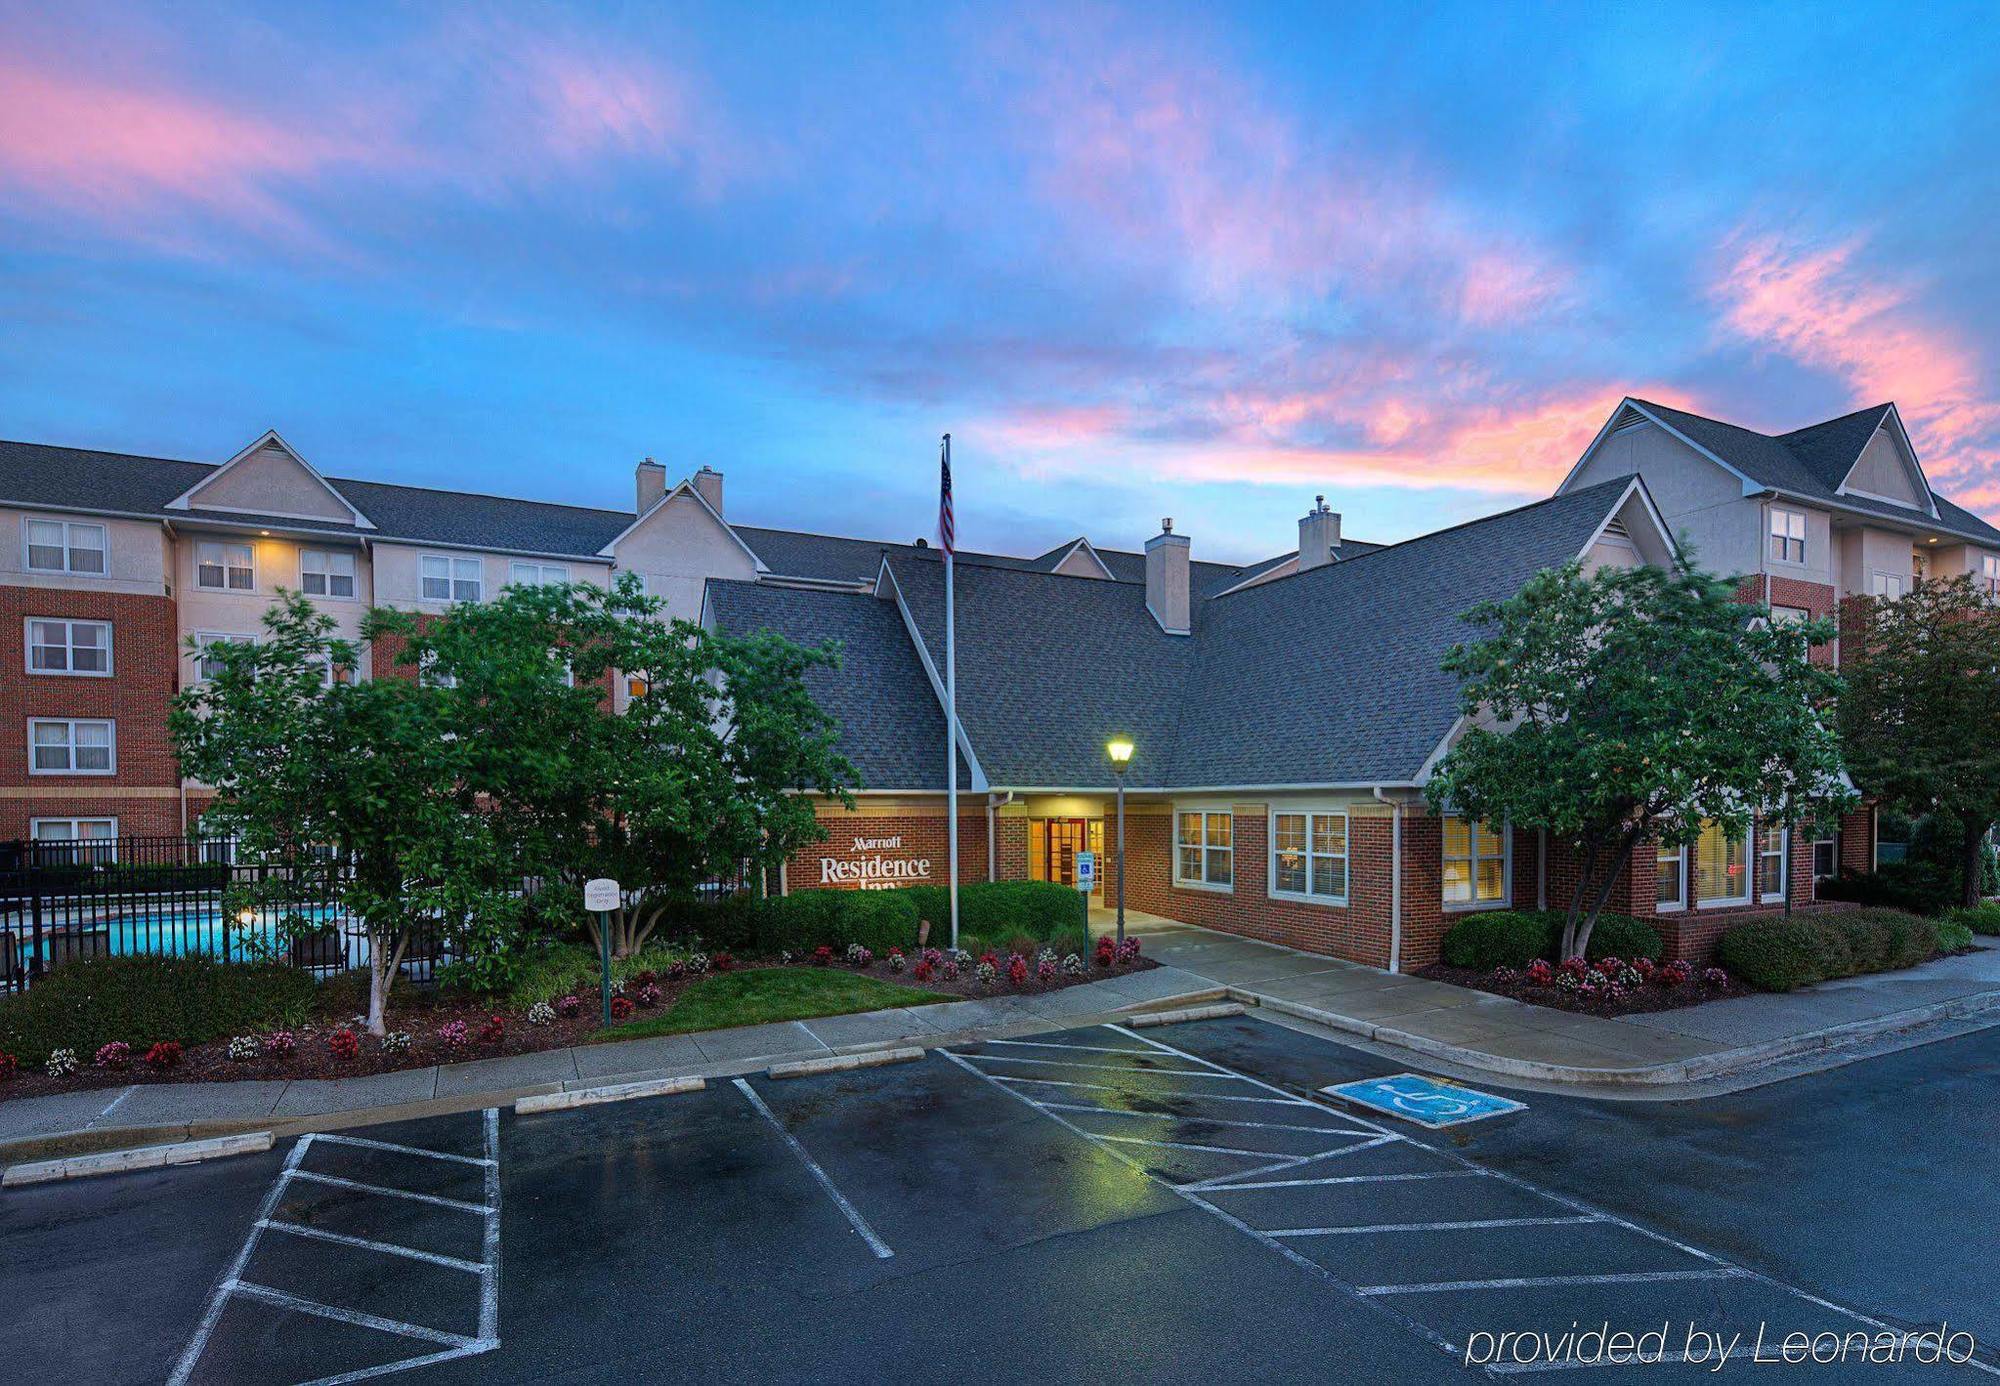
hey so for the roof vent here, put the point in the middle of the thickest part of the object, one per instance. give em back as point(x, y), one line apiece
point(1614, 528)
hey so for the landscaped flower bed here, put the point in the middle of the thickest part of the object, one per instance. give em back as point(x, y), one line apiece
point(444, 1026)
point(1607, 986)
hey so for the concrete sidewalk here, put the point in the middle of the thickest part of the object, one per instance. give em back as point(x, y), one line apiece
point(1477, 1030)
point(144, 1110)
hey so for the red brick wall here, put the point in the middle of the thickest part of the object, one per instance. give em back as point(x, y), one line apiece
point(923, 838)
point(1011, 849)
point(145, 662)
point(1857, 840)
point(1815, 597)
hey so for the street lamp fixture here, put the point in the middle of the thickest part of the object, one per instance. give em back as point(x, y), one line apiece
point(1119, 748)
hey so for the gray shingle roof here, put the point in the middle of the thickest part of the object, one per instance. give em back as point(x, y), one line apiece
point(1326, 677)
point(1813, 461)
point(891, 725)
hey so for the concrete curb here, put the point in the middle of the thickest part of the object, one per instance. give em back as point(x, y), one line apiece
point(1216, 1012)
point(844, 1063)
point(91, 1140)
point(145, 1157)
point(1701, 1068)
point(617, 1092)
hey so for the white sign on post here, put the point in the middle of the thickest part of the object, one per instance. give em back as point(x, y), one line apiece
point(1086, 871)
point(600, 894)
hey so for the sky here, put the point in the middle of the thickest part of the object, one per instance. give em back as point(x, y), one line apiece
point(1139, 260)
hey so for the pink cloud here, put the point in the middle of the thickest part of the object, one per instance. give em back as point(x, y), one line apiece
point(119, 151)
point(1817, 305)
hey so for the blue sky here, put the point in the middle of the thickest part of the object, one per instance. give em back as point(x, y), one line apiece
point(1140, 260)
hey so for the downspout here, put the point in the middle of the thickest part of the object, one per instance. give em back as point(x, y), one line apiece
point(1395, 879)
point(994, 801)
point(1541, 868)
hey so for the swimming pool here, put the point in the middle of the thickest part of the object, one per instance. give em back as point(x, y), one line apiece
point(199, 930)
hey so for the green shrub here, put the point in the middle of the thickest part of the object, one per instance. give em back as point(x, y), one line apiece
point(83, 1005)
point(1497, 938)
point(1780, 954)
point(999, 909)
point(1980, 919)
point(1613, 936)
point(1953, 935)
point(806, 919)
point(1918, 887)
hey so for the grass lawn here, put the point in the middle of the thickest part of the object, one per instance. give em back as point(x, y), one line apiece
point(764, 994)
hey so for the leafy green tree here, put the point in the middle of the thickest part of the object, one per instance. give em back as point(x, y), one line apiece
point(1631, 704)
point(1920, 719)
point(338, 790)
point(713, 766)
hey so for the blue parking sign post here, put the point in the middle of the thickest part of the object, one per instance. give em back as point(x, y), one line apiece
point(1086, 881)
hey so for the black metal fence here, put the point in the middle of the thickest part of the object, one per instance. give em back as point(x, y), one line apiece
point(171, 896)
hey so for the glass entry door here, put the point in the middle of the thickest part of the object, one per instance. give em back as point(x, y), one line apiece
point(1053, 844)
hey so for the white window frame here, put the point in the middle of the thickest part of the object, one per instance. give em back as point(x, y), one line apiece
point(536, 574)
point(70, 744)
point(74, 824)
point(1765, 833)
point(1834, 843)
point(68, 647)
point(222, 548)
point(204, 638)
point(1989, 573)
point(1312, 814)
point(327, 558)
point(1889, 585)
point(1677, 852)
point(1204, 812)
point(427, 674)
point(1782, 533)
point(453, 563)
point(1506, 900)
point(69, 546)
point(1749, 880)
point(1790, 615)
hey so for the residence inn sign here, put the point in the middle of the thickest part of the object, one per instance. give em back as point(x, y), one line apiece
point(876, 863)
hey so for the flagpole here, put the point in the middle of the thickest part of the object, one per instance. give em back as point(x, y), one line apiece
point(951, 713)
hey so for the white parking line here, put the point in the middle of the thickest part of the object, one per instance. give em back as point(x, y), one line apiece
point(1202, 1120)
point(1211, 1187)
point(1530, 1282)
point(455, 1345)
point(1223, 1181)
point(1133, 1092)
point(854, 1218)
point(1085, 1048)
point(1173, 1145)
point(1108, 1068)
point(1468, 1225)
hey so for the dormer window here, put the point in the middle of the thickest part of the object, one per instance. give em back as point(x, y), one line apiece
point(1788, 535)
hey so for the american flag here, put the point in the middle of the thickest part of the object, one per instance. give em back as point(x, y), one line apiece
point(947, 531)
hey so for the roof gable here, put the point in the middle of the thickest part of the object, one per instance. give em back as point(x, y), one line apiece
point(683, 499)
point(270, 478)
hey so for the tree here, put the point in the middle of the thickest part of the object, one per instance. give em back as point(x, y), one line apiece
point(337, 790)
point(712, 768)
point(1920, 719)
point(1632, 703)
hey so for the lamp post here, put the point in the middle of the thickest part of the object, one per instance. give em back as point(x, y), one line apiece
point(1119, 748)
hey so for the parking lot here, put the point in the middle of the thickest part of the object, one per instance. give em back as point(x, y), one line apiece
point(1169, 1205)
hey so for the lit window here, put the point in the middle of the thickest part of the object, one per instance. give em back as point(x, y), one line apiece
point(1888, 585)
point(1475, 863)
point(1989, 574)
point(326, 573)
point(69, 647)
point(451, 579)
point(1788, 535)
point(521, 574)
point(636, 687)
point(1202, 849)
point(64, 746)
point(1722, 872)
point(1309, 855)
point(83, 840)
point(61, 546)
point(1772, 856)
point(224, 567)
point(206, 665)
point(1670, 892)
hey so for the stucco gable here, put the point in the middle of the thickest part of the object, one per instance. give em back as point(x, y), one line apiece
point(682, 533)
point(270, 478)
point(1887, 470)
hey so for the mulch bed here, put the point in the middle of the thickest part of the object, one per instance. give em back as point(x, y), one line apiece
point(1639, 1001)
point(423, 1012)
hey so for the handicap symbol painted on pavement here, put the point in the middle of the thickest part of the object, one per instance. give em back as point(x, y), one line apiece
point(1425, 1101)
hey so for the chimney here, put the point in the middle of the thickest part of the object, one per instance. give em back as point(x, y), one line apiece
point(652, 478)
point(1167, 579)
point(1319, 535)
point(708, 482)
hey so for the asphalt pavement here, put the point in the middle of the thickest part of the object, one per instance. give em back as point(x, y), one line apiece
point(1107, 1204)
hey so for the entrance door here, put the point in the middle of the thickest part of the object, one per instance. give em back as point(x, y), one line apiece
point(1054, 842)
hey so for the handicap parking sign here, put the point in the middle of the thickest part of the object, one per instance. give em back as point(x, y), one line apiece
point(1086, 871)
point(1426, 1101)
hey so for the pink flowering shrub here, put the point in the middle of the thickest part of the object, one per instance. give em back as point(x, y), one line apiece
point(1128, 951)
point(279, 1043)
point(453, 1034)
point(568, 1006)
point(1714, 977)
point(116, 1054)
point(1504, 973)
point(1046, 970)
point(1017, 969)
point(649, 995)
point(1673, 974)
